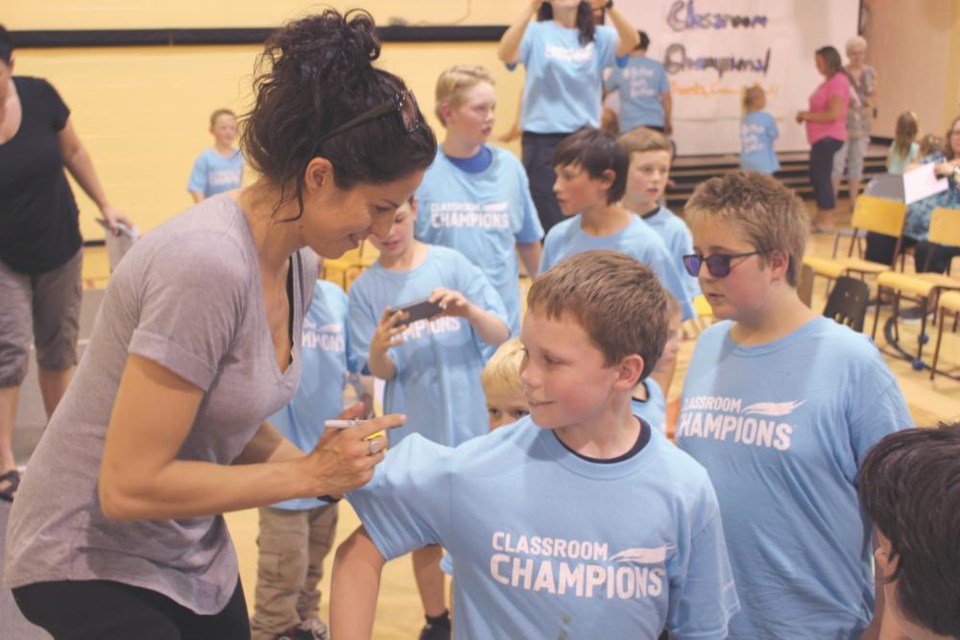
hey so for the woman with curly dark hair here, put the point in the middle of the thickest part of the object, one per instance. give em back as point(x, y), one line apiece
point(116, 531)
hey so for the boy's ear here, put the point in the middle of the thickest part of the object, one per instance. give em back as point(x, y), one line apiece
point(778, 261)
point(628, 372)
point(445, 111)
point(609, 176)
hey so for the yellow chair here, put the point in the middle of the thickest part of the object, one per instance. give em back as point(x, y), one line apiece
point(949, 304)
point(871, 214)
point(345, 269)
point(922, 287)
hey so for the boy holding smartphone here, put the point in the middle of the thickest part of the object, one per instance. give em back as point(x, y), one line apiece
point(432, 366)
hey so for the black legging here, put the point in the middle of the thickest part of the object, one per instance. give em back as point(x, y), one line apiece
point(538, 149)
point(106, 610)
point(880, 249)
point(821, 169)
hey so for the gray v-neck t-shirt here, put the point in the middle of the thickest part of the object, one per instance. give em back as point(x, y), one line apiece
point(188, 296)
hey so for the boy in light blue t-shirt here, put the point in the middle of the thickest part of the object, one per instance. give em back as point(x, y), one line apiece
point(475, 198)
point(220, 167)
point(645, 99)
point(578, 521)
point(431, 366)
point(591, 179)
point(781, 405)
point(295, 536)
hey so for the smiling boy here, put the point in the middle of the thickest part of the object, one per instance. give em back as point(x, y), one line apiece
point(578, 521)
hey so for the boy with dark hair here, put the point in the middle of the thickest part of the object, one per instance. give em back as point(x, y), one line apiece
point(591, 180)
point(577, 521)
point(910, 488)
point(781, 406)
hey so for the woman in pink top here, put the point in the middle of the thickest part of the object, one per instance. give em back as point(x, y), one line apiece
point(826, 131)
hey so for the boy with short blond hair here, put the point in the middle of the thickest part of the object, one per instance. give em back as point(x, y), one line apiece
point(577, 521)
point(781, 405)
point(475, 197)
point(501, 385)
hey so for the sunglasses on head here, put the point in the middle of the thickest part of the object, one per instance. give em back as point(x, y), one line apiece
point(403, 105)
point(719, 265)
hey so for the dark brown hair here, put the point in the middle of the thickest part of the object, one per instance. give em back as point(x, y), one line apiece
point(314, 75)
point(910, 487)
point(832, 60)
point(586, 25)
point(618, 301)
point(6, 45)
point(595, 151)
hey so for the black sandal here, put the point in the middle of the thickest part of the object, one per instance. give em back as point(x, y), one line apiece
point(13, 478)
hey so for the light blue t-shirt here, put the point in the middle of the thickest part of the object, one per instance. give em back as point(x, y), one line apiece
point(758, 130)
point(782, 428)
point(439, 363)
point(562, 87)
point(483, 216)
point(641, 83)
point(654, 409)
point(676, 235)
point(213, 174)
point(897, 164)
point(546, 544)
point(326, 363)
point(636, 240)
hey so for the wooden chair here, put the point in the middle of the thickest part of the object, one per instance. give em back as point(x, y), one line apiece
point(922, 287)
point(805, 284)
point(949, 303)
point(871, 214)
point(847, 303)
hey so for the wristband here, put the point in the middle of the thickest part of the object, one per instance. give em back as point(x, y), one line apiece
point(609, 5)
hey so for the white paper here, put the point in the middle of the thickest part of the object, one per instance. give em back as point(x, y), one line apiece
point(922, 182)
point(117, 246)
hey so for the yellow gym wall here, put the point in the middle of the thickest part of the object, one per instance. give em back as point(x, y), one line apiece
point(143, 111)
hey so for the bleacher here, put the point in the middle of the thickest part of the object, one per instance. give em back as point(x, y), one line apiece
point(689, 171)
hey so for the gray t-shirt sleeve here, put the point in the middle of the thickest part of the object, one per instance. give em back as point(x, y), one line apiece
point(191, 304)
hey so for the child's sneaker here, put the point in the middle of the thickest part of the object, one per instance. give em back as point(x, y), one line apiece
point(437, 628)
point(313, 629)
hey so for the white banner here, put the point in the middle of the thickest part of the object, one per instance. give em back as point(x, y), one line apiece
point(712, 49)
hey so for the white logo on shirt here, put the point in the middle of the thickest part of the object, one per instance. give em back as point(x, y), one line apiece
point(580, 54)
point(420, 328)
point(583, 568)
point(726, 419)
point(469, 215)
point(329, 337)
point(223, 177)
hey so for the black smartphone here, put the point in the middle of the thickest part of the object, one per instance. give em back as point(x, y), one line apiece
point(419, 310)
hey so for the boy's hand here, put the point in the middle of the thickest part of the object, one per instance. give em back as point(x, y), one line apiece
point(388, 332)
point(452, 302)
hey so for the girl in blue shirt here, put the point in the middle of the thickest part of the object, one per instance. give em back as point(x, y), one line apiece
point(758, 130)
point(564, 53)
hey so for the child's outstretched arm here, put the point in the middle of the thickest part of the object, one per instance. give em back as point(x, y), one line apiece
point(488, 326)
point(387, 335)
point(355, 586)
